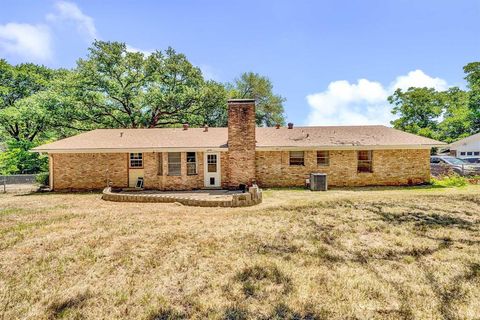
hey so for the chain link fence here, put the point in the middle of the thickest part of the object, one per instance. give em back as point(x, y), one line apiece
point(18, 183)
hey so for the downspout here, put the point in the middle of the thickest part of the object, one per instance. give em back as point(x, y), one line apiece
point(50, 172)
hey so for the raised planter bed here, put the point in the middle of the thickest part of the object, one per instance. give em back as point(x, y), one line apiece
point(250, 198)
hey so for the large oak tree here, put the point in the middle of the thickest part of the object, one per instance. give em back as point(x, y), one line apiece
point(118, 88)
point(21, 118)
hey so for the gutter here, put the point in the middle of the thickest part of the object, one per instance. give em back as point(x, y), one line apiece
point(220, 149)
point(123, 150)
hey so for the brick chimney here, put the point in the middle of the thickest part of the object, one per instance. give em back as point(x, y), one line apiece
point(241, 142)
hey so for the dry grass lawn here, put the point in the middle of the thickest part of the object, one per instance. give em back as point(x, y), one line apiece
point(345, 254)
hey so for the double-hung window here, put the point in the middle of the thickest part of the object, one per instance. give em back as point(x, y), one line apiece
point(297, 158)
point(364, 161)
point(191, 163)
point(174, 163)
point(323, 158)
point(136, 160)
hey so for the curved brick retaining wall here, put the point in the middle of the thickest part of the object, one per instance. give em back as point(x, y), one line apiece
point(253, 197)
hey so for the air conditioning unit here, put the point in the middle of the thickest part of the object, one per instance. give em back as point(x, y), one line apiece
point(318, 182)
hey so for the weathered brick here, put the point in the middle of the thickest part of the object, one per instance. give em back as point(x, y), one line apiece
point(390, 167)
point(241, 142)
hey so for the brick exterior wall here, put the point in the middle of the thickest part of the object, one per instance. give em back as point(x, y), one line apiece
point(241, 142)
point(166, 182)
point(88, 171)
point(390, 167)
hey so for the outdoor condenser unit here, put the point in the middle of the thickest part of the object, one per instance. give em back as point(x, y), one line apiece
point(318, 181)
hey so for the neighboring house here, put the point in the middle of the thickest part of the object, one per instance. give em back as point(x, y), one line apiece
point(195, 158)
point(468, 147)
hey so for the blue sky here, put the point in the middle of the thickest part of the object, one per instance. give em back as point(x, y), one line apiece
point(334, 61)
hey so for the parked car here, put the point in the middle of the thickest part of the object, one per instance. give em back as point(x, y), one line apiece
point(443, 164)
point(472, 160)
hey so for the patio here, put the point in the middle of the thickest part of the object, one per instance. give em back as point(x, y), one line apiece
point(199, 198)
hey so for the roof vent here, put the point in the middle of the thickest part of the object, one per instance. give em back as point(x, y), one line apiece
point(205, 128)
point(290, 125)
point(121, 134)
point(277, 126)
point(185, 126)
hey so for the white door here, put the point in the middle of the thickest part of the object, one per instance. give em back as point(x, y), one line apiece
point(212, 170)
point(133, 175)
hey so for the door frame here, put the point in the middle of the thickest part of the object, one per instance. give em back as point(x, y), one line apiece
point(207, 175)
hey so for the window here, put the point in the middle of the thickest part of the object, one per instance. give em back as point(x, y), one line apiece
point(297, 158)
point(160, 164)
point(136, 160)
point(469, 153)
point(191, 163)
point(462, 153)
point(323, 158)
point(174, 163)
point(476, 153)
point(364, 163)
point(211, 163)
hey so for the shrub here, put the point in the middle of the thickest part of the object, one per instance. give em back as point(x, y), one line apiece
point(18, 159)
point(43, 178)
point(450, 181)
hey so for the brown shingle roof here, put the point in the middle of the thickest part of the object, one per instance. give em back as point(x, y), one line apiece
point(338, 136)
point(196, 138)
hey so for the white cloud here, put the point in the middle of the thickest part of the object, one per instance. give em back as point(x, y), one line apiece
point(364, 102)
point(133, 49)
point(34, 42)
point(26, 40)
point(69, 11)
point(418, 78)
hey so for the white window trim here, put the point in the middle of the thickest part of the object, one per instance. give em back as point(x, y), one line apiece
point(140, 159)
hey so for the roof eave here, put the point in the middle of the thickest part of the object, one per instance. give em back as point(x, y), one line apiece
point(217, 148)
point(350, 147)
point(127, 150)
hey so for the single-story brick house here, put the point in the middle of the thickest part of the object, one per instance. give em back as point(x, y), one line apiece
point(195, 158)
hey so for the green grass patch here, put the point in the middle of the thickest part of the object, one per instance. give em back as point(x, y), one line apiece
point(450, 181)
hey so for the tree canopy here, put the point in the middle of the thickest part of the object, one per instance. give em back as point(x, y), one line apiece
point(269, 106)
point(472, 71)
point(443, 115)
point(21, 118)
point(115, 88)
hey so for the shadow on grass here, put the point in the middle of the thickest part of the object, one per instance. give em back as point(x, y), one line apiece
point(258, 276)
point(166, 314)
point(283, 311)
point(363, 188)
point(61, 308)
point(235, 312)
point(50, 193)
point(419, 218)
point(451, 293)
